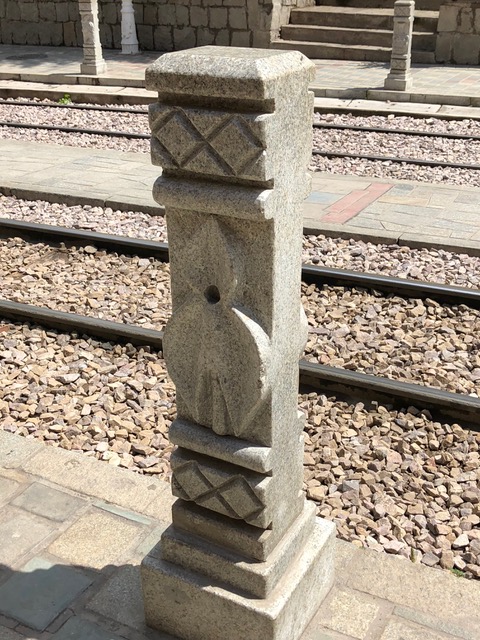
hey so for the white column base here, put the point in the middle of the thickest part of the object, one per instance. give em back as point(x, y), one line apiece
point(398, 83)
point(93, 68)
point(130, 49)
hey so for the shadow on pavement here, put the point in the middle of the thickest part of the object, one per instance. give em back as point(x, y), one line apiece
point(72, 602)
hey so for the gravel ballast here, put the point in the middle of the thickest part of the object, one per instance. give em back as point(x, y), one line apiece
point(427, 343)
point(393, 481)
point(431, 265)
point(410, 340)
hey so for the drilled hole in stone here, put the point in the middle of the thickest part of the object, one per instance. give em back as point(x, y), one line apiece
point(212, 294)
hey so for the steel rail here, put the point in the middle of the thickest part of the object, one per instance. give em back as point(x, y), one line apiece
point(319, 125)
point(403, 132)
point(97, 132)
point(315, 152)
point(89, 107)
point(312, 375)
point(35, 232)
point(417, 289)
point(423, 163)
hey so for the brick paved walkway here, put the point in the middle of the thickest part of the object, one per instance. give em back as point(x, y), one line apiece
point(436, 84)
point(73, 531)
point(380, 211)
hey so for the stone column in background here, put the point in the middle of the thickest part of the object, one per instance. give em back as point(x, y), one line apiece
point(93, 62)
point(245, 557)
point(400, 76)
point(129, 30)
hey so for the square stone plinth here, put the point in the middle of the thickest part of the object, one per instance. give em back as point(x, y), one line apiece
point(191, 607)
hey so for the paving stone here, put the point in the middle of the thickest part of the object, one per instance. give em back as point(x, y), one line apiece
point(38, 593)
point(147, 544)
point(96, 540)
point(423, 589)
point(398, 630)
point(80, 629)
point(124, 513)
point(7, 488)
point(48, 502)
point(323, 634)
point(14, 451)
point(322, 197)
point(435, 623)
point(9, 634)
point(121, 598)
point(348, 612)
point(148, 496)
point(19, 532)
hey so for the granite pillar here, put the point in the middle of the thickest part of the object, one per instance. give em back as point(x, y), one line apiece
point(93, 62)
point(245, 557)
point(400, 76)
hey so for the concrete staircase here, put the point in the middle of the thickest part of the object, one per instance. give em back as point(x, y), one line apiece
point(357, 30)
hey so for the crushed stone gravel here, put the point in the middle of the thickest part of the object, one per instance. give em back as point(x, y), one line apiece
point(393, 481)
point(72, 117)
point(406, 339)
point(392, 121)
point(75, 139)
point(86, 281)
point(395, 145)
point(409, 340)
point(431, 265)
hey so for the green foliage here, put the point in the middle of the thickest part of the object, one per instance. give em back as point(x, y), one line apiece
point(66, 99)
point(458, 573)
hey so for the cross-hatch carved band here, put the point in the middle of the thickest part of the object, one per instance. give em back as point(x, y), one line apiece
point(231, 496)
point(208, 142)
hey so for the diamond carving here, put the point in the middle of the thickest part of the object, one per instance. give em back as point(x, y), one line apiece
point(232, 497)
point(209, 143)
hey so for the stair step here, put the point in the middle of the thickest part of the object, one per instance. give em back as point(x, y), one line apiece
point(331, 51)
point(359, 18)
point(347, 36)
point(423, 5)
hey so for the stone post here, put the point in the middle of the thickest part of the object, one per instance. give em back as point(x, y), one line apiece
point(129, 30)
point(93, 62)
point(400, 76)
point(245, 557)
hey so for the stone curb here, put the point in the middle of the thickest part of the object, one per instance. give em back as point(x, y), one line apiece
point(106, 94)
point(87, 476)
point(369, 106)
point(71, 200)
point(385, 95)
point(310, 226)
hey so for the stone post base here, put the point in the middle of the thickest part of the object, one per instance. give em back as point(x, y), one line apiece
point(93, 69)
point(129, 49)
point(190, 606)
point(398, 83)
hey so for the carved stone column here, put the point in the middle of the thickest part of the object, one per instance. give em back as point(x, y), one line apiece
point(93, 62)
point(400, 76)
point(245, 557)
point(129, 31)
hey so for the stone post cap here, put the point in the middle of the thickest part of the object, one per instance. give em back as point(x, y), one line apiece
point(225, 72)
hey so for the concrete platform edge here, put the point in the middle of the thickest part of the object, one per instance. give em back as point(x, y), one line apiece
point(310, 227)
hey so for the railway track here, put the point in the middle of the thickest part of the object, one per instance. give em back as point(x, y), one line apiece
point(406, 453)
point(317, 152)
point(313, 376)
